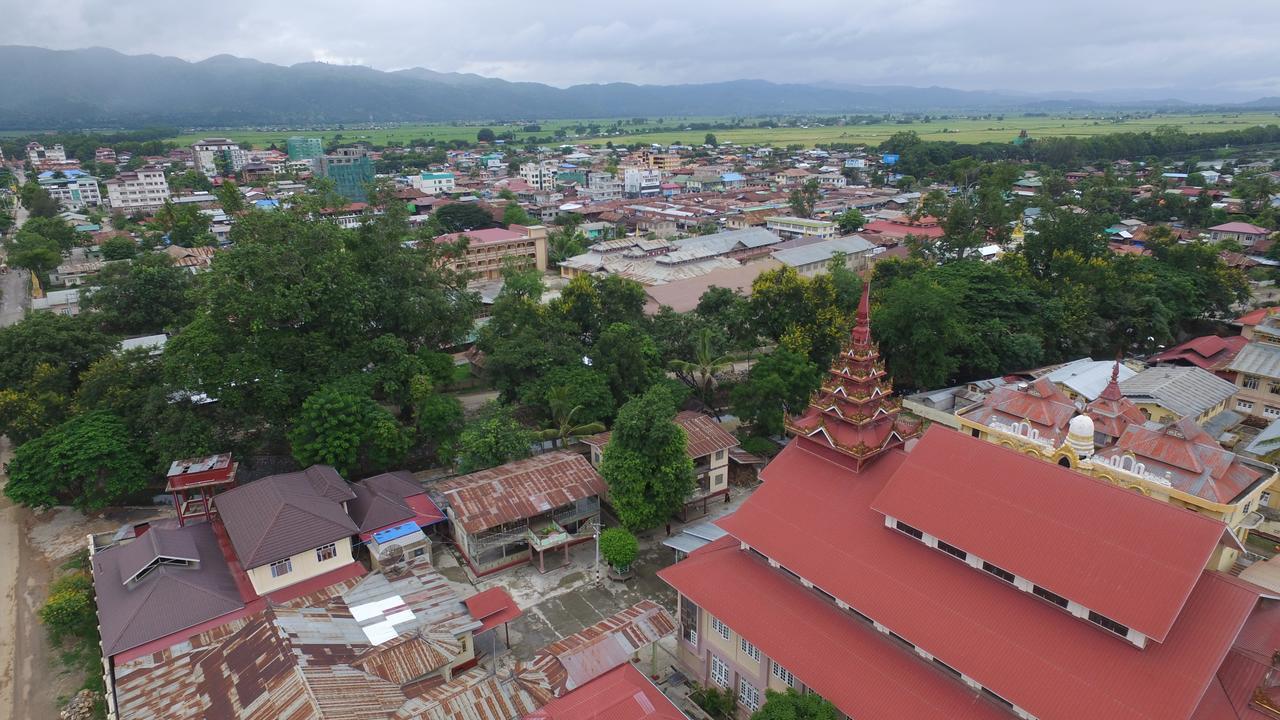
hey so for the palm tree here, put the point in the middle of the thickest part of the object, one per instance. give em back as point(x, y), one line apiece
point(563, 430)
point(700, 373)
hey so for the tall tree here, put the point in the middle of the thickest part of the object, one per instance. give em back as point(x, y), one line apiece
point(146, 296)
point(342, 426)
point(781, 382)
point(803, 199)
point(628, 359)
point(703, 369)
point(493, 438)
point(566, 418)
point(646, 463)
point(89, 462)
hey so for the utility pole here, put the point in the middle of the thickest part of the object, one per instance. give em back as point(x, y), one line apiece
point(596, 566)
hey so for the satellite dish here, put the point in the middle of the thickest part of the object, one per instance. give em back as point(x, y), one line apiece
point(393, 553)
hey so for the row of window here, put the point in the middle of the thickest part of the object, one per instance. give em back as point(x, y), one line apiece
point(323, 553)
point(995, 570)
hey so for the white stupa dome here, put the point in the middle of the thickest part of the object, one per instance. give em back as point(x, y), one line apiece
point(1080, 435)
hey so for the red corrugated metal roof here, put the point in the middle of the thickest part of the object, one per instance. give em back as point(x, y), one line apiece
point(813, 516)
point(620, 694)
point(521, 489)
point(492, 607)
point(1110, 549)
point(704, 435)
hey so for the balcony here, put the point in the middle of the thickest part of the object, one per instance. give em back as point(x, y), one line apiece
point(545, 535)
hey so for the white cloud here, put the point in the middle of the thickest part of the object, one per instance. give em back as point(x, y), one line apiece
point(1030, 46)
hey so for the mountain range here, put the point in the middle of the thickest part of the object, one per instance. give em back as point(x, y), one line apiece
point(98, 87)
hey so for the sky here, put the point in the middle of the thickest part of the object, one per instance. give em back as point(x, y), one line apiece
point(1221, 50)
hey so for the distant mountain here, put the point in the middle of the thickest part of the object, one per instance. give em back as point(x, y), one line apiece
point(97, 87)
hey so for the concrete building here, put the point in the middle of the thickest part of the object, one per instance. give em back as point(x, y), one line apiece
point(304, 148)
point(641, 182)
point(74, 189)
point(603, 186)
point(433, 183)
point(139, 191)
point(487, 250)
point(350, 169)
point(59, 302)
point(39, 155)
point(1247, 234)
point(794, 227)
point(815, 258)
point(540, 175)
point(206, 153)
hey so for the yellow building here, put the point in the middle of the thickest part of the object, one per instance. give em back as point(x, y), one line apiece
point(1178, 463)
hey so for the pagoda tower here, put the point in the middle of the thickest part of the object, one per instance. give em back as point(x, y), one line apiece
point(854, 412)
point(1111, 411)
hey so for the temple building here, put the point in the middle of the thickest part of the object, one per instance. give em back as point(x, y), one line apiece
point(902, 574)
point(1177, 462)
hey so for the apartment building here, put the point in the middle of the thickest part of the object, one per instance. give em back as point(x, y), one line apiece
point(304, 148)
point(433, 183)
point(794, 227)
point(540, 175)
point(39, 155)
point(603, 186)
point(350, 169)
point(74, 189)
point(641, 182)
point(488, 249)
point(205, 154)
point(143, 190)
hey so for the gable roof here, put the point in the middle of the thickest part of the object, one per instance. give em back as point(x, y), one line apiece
point(1110, 549)
point(167, 598)
point(1187, 391)
point(518, 490)
point(1186, 457)
point(282, 515)
point(1240, 227)
point(1258, 358)
point(1041, 404)
point(1210, 352)
point(1087, 376)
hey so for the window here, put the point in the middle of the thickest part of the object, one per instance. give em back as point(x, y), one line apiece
point(719, 672)
point(1250, 382)
point(946, 667)
point(281, 567)
point(748, 695)
point(327, 552)
point(783, 674)
point(905, 528)
point(998, 571)
point(1244, 405)
point(688, 621)
point(1264, 498)
point(1052, 597)
point(1106, 622)
point(1273, 388)
point(997, 698)
point(1270, 411)
point(719, 454)
point(419, 552)
point(720, 628)
point(748, 649)
point(952, 550)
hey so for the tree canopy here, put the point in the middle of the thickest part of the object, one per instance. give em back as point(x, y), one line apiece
point(646, 464)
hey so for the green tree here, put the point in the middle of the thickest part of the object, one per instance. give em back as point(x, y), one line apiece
point(56, 229)
point(628, 359)
point(513, 214)
point(345, 428)
point(791, 705)
point(850, 221)
point(619, 548)
point(702, 371)
point(780, 382)
point(461, 217)
point(146, 296)
point(803, 199)
point(646, 464)
point(119, 248)
point(38, 202)
point(184, 225)
point(920, 327)
point(71, 343)
point(70, 613)
point(439, 418)
point(34, 252)
point(89, 462)
point(566, 418)
point(493, 438)
point(588, 391)
point(485, 135)
point(711, 140)
point(230, 197)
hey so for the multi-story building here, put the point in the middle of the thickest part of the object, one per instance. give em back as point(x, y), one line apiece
point(603, 186)
point(641, 182)
point(74, 189)
point(487, 250)
point(708, 446)
point(950, 578)
point(104, 156)
point(1111, 440)
point(433, 183)
point(350, 169)
point(39, 155)
point(205, 154)
point(304, 148)
point(142, 190)
point(794, 227)
point(540, 175)
point(1257, 369)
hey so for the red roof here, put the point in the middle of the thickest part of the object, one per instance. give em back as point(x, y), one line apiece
point(813, 516)
point(620, 694)
point(1254, 317)
point(1120, 554)
point(519, 490)
point(1046, 408)
point(901, 230)
point(493, 607)
point(482, 237)
point(1209, 352)
point(1240, 227)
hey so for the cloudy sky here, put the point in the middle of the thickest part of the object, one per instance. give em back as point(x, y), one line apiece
point(1225, 49)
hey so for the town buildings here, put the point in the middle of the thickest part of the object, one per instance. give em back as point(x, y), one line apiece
point(1244, 233)
point(207, 153)
point(350, 169)
point(540, 175)
point(865, 569)
point(488, 249)
point(143, 190)
point(793, 227)
point(74, 189)
point(41, 157)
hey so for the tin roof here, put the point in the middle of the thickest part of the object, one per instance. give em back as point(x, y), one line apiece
point(1258, 358)
point(519, 490)
point(704, 435)
point(1187, 391)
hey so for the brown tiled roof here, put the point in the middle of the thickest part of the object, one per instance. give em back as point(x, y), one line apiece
point(705, 435)
point(282, 515)
point(520, 489)
point(167, 598)
point(372, 510)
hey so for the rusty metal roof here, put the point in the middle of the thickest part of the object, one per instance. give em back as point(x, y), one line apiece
point(704, 434)
point(519, 490)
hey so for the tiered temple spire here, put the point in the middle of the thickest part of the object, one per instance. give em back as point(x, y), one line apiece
point(854, 411)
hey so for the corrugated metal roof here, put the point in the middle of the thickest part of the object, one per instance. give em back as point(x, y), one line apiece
point(822, 251)
point(704, 435)
point(518, 490)
point(813, 515)
point(1187, 391)
point(1088, 377)
point(1258, 359)
point(1112, 550)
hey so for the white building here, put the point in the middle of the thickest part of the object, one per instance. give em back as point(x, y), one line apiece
point(540, 175)
point(640, 182)
point(794, 227)
point(39, 154)
point(204, 154)
point(602, 186)
point(433, 183)
point(75, 189)
point(143, 190)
